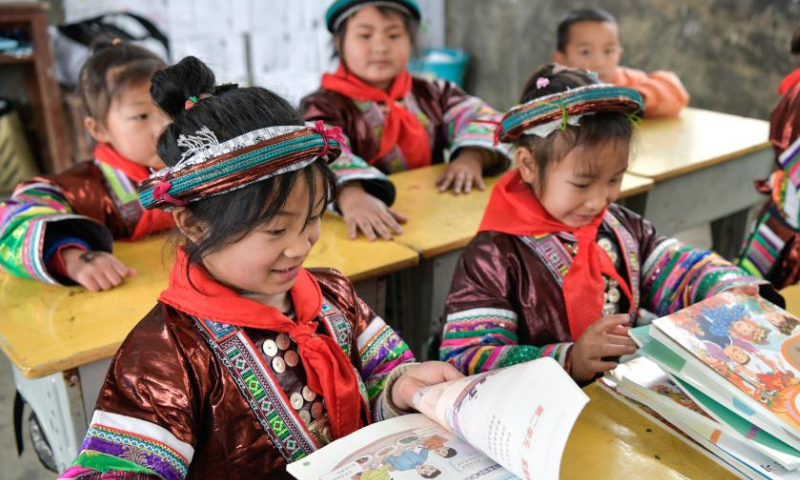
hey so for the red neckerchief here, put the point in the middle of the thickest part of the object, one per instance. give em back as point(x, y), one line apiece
point(514, 209)
point(400, 126)
point(789, 81)
point(151, 221)
point(328, 369)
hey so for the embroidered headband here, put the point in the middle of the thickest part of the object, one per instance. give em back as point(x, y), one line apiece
point(208, 167)
point(342, 9)
point(543, 116)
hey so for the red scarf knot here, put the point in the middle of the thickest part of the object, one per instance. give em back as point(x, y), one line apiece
point(401, 128)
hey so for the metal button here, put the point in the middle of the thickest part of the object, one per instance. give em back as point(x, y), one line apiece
point(291, 357)
point(296, 400)
point(305, 416)
point(316, 410)
point(283, 341)
point(309, 394)
point(278, 365)
point(270, 348)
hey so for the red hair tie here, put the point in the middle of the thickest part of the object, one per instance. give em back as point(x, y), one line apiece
point(328, 133)
point(161, 193)
point(190, 102)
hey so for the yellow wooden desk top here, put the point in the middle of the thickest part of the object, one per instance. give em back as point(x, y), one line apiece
point(792, 296)
point(443, 222)
point(665, 148)
point(612, 442)
point(46, 329)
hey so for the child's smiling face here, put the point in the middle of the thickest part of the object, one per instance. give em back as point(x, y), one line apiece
point(592, 46)
point(577, 189)
point(267, 259)
point(376, 46)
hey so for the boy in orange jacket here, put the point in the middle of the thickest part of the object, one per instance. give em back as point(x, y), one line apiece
point(589, 39)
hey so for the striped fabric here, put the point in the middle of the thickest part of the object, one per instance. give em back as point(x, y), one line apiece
point(117, 443)
point(676, 275)
point(380, 350)
point(594, 98)
point(483, 339)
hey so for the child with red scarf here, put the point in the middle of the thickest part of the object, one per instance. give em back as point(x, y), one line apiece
point(772, 250)
point(558, 269)
point(392, 121)
point(60, 228)
point(248, 361)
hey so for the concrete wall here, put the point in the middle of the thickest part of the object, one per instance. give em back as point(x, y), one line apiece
point(730, 54)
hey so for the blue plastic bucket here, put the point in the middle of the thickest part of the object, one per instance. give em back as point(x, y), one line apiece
point(447, 63)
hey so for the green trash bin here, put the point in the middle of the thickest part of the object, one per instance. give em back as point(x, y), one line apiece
point(16, 161)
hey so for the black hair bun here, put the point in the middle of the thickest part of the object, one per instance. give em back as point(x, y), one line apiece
point(559, 79)
point(172, 86)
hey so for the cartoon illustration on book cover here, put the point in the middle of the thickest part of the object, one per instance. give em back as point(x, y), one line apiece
point(750, 342)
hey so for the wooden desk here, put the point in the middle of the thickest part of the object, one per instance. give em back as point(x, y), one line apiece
point(440, 225)
point(61, 339)
point(703, 164)
point(612, 442)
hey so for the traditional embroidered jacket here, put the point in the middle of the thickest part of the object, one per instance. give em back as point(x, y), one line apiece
point(88, 206)
point(188, 397)
point(445, 111)
point(772, 250)
point(506, 303)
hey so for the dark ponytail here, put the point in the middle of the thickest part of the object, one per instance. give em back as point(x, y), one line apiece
point(228, 113)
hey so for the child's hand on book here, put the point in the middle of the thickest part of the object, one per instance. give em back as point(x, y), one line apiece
point(94, 270)
point(420, 376)
point(607, 337)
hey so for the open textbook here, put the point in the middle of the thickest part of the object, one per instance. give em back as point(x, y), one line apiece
point(504, 424)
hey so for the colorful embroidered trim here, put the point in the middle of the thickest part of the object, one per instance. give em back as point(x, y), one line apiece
point(380, 350)
point(215, 168)
point(141, 443)
point(259, 388)
point(560, 106)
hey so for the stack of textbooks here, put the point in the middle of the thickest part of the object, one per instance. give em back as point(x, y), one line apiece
point(724, 376)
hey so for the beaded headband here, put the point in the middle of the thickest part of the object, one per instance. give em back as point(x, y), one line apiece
point(208, 167)
point(542, 116)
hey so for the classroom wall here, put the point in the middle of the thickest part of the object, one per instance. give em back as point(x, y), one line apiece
point(730, 54)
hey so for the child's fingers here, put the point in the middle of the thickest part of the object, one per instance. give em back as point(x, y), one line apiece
point(620, 340)
point(88, 283)
point(352, 228)
point(459, 184)
point(398, 216)
point(445, 181)
point(380, 228)
point(102, 281)
point(479, 182)
point(619, 330)
point(389, 220)
point(119, 267)
point(608, 350)
point(366, 227)
point(601, 366)
point(470, 180)
point(605, 324)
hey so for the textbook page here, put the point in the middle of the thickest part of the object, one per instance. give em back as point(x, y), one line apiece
point(503, 424)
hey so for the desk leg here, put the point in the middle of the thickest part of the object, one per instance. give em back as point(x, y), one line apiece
point(58, 403)
point(427, 286)
point(728, 234)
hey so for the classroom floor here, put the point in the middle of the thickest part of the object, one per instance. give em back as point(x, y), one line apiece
point(26, 467)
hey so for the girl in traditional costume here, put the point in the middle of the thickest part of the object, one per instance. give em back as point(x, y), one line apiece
point(59, 229)
point(558, 269)
point(392, 121)
point(772, 250)
point(248, 361)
